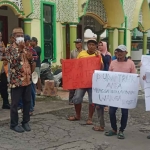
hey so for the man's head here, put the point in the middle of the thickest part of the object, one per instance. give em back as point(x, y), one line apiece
point(34, 41)
point(121, 51)
point(27, 40)
point(92, 45)
point(18, 35)
point(78, 43)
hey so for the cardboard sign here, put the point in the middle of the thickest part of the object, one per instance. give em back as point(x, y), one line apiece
point(77, 73)
point(147, 91)
point(145, 60)
point(115, 89)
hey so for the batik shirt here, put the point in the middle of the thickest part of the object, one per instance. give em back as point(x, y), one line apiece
point(20, 69)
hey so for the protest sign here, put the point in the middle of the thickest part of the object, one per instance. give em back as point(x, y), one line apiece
point(115, 89)
point(77, 73)
point(147, 91)
point(145, 60)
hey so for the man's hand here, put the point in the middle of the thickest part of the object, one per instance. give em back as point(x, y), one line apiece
point(97, 53)
point(140, 64)
point(144, 77)
point(21, 46)
point(29, 56)
point(61, 60)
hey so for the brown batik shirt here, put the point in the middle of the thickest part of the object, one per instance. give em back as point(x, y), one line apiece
point(20, 69)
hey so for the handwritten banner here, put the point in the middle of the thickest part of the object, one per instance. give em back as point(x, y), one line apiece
point(145, 60)
point(115, 89)
point(77, 73)
point(147, 91)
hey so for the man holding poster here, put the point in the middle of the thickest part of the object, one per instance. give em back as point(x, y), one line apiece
point(79, 93)
point(122, 64)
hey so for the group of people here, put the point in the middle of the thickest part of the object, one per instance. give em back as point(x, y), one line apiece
point(20, 59)
point(117, 63)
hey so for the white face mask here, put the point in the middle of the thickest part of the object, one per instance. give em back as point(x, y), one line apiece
point(19, 39)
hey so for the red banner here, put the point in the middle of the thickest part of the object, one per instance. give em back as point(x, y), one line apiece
point(77, 73)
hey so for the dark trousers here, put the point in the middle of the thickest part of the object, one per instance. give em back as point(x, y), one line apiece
point(4, 88)
point(124, 118)
point(18, 93)
point(71, 95)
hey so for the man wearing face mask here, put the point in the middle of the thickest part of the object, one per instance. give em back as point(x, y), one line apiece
point(20, 60)
point(79, 93)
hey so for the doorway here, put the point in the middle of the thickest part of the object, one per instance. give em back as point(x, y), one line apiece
point(4, 28)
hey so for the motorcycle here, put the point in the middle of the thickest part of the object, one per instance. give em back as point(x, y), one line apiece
point(47, 74)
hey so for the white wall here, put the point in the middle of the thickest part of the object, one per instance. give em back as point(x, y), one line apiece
point(12, 19)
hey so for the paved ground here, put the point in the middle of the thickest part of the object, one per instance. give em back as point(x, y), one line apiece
point(52, 131)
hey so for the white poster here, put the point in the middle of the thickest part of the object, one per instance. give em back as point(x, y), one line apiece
point(115, 89)
point(145, 60)
point(147, 91)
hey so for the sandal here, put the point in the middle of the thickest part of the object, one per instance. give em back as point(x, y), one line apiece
point(73, 118)
point(89, 122)
point(120, 135)
point(110, 133)
point(96, 128)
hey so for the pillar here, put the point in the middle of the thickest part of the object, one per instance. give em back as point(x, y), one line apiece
point(144, 43)
point(73, 36)
point(110, 40)
point(98, 37)
point(64, 40)
point(27, 26)
point(120, 36)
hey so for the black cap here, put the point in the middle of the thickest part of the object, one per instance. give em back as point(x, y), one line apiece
point(78, 41)
point(27, 38)
point(34, 39)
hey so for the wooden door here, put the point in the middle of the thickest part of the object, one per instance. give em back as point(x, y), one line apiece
point(4, 28)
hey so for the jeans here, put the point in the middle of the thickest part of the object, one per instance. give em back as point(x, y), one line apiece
point(32, 98)
point(124, 118)
point(16, 94)
point(71, 95)
point(79, 94)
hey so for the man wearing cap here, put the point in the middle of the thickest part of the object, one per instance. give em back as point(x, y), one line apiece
point(73, 55)
point(34, 44)
point(20, 60)
point(121, 64)
point(79, 93)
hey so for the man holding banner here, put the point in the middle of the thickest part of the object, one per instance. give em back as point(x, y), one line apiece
point(79, 93)
point(122, 64)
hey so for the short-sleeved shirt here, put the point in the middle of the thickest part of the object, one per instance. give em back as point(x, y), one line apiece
point(20, 69)
point(126, 66)
point(74, 54)
point(38, 51)
point(84, 54)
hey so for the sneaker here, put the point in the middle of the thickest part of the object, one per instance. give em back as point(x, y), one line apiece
point(26, 127)
point(6, 106)
point(17, 128)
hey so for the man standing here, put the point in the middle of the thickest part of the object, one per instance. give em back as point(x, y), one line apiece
point(73, 55)
point(122, 64)
point(34, 44)
point(79, 93)
point(20, 60)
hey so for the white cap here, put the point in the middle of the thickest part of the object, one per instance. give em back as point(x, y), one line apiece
point(122, 48)
point(34, 77)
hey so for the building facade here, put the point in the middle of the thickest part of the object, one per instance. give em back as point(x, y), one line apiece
point(57, 23)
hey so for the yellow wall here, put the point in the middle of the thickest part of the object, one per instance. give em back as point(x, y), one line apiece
point(36, 30)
